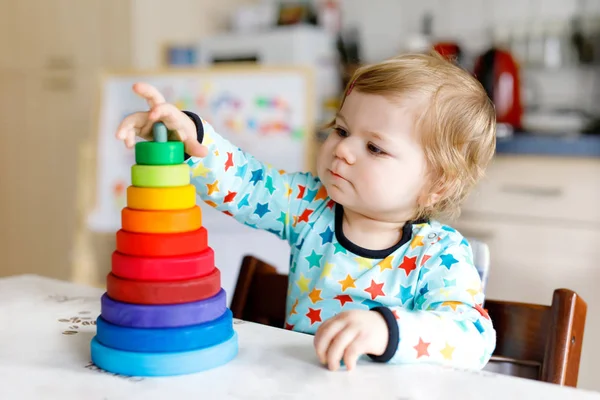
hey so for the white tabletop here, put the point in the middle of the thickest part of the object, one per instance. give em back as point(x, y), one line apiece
point(44, 354)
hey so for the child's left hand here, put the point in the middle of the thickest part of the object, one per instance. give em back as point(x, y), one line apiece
point(348, 335)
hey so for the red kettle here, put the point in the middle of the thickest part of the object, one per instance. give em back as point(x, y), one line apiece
point(498, 72)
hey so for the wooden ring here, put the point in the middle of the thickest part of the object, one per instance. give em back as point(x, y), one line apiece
point(172, 198)
point(161, 244)
point(172, 268)
point(160, 175)
point(131, 363)
point(162, 315)
point(159, 153)
point(163, 292)
point(161, 221)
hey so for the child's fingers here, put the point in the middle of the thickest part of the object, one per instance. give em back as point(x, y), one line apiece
point(338, 346)
point(171, 116)
point(130, 127)
point(151, 94)
point(325, 334)
point(195, 149)
point(351, 354)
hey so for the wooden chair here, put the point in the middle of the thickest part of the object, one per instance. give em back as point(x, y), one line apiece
point(533, 341)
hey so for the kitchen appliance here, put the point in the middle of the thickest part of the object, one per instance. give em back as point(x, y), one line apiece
point(498, 72)
point(297, 45)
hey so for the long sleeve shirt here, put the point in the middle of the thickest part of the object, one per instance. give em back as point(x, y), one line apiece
point(426, 286)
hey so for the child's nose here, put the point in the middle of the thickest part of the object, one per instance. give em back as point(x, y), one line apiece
point(343, 151)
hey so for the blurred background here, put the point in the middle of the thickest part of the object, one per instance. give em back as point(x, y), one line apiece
point(538, 209)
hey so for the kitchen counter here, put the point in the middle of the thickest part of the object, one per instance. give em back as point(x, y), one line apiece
point(576, 145)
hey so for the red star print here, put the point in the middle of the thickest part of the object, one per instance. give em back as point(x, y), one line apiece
point(395, 314)
point(301, 191)
point(409, 264)
point(375, 289)
point(305, 214)
point(330, 204)
point(421, 348)
point(289, 327)
point(230, 196)
point(229, 162)
point(425, 259)
point(314, 315)
point(482, 311)
point(228, 213)
point(343, 298)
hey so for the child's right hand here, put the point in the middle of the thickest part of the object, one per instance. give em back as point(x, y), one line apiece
point(140, 123)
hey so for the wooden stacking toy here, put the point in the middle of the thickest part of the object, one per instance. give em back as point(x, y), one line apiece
point(164, 311)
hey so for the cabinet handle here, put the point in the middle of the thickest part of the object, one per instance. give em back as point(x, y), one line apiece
point(532, 190)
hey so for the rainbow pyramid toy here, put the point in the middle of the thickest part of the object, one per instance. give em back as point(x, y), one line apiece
point(164, 311)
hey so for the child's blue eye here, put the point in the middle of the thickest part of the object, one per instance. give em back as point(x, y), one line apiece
point(374, 149)
point(341, 132)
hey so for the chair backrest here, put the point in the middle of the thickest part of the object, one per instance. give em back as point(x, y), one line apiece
point(481, 260)
point(533, 341)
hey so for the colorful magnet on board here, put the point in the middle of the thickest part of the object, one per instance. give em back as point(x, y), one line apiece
point(161, 244)
point(172, 268)
point(173, 198)
point(167, 292)
point(161, 221)
point(162, 316)
point(159, 176)
point(163, 340)
point(163, 364)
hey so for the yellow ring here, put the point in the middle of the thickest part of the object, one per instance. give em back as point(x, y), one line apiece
point(160, 175)
point(172, 198)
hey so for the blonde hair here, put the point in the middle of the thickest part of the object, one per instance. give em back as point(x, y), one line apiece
point(457, 122)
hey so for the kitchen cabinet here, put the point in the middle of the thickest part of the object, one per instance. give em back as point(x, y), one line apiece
point(540, 216)
point(53, 53)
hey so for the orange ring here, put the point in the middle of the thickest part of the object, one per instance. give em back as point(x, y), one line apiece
point(167, 221)
point(161, 244)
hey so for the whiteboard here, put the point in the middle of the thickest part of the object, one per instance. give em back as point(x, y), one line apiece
point(262, 110)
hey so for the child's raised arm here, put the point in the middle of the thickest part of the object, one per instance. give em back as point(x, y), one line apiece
point(255, 194)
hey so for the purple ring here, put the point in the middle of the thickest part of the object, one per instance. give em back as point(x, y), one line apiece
point(164, 315)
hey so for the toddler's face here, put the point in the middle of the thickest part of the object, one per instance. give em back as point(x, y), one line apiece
point(372, 162)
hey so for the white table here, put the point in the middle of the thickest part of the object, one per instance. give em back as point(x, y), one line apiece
point(39, 361)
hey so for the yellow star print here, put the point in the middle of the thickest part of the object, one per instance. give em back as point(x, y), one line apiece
point(213, 187)
point(416, 242)
point(303, 283)
point(200, 170)
point(327, 270)
point(207, 139)
point(288, 190)
point(347, 283)
point(363, 263)
point(447, 351)
point(386, 263)
point(315, 295)
point(452, 304)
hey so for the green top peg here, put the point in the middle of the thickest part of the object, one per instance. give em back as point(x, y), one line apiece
point(159, 132)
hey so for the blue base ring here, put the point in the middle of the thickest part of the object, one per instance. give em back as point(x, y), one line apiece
point(162, 340)
point(163, 364)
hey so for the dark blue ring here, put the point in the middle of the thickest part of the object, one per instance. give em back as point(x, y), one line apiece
point(162, 340)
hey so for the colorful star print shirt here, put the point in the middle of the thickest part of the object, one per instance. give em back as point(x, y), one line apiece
point(426, 286)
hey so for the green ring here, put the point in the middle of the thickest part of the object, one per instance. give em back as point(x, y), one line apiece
point(160, 175)
point(159, 153)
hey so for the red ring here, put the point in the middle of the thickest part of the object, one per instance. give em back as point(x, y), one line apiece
point(161, 244)
point(169, 292)
point(172, 268)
